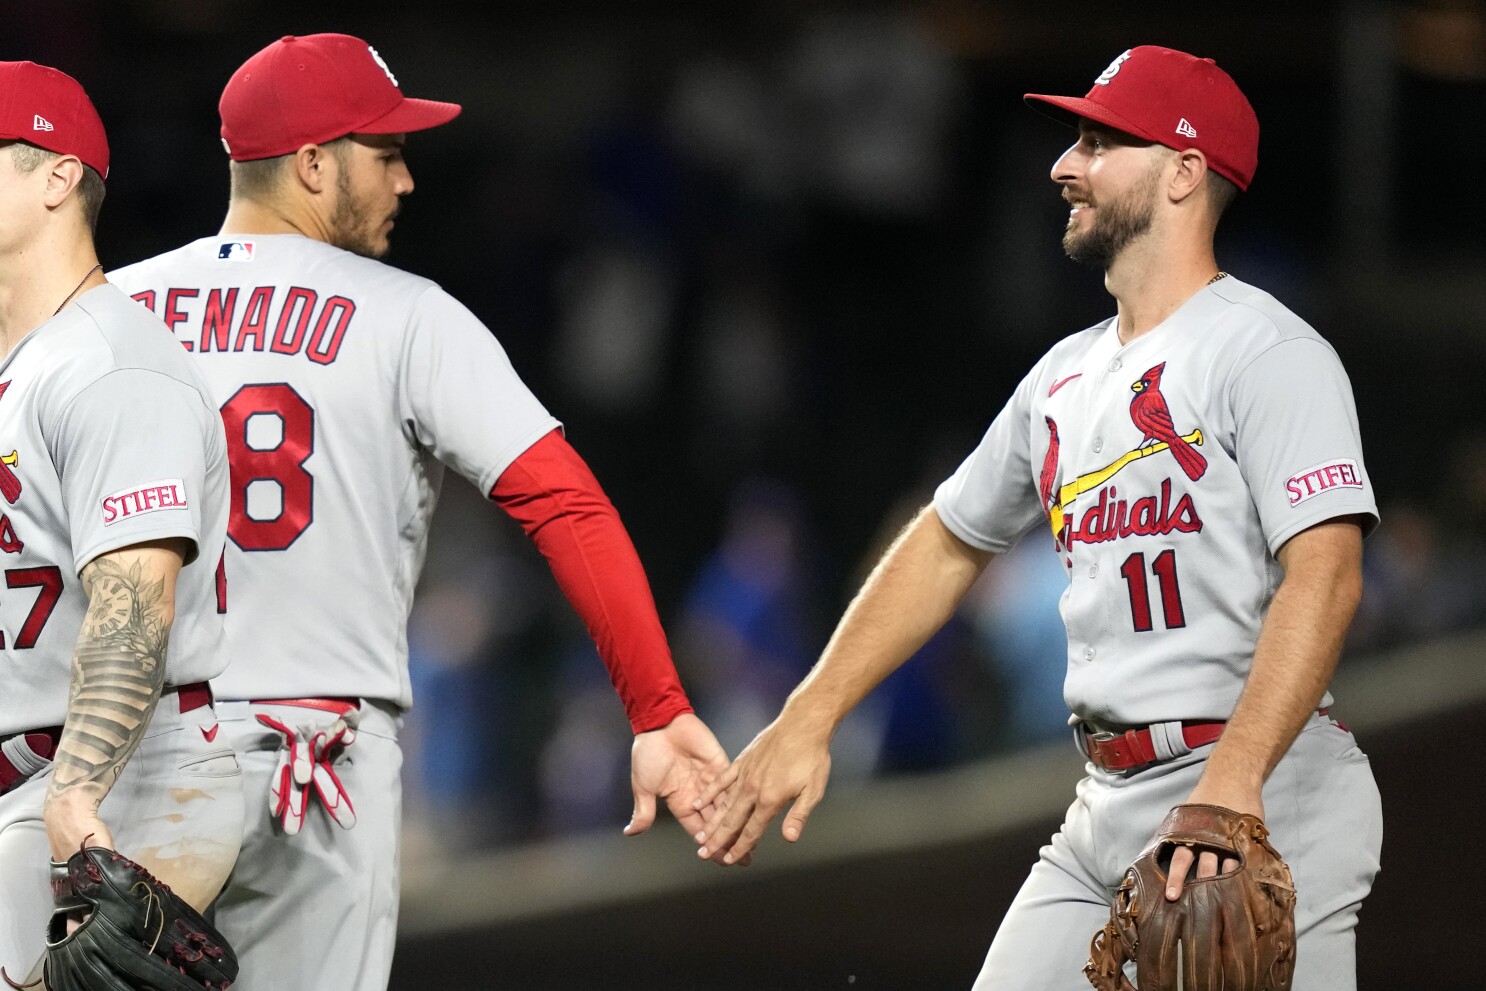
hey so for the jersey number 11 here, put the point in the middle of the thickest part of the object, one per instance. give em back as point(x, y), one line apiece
point(1164, 568)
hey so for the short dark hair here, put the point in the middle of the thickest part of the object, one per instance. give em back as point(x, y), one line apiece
point(1221, 192)
point(259, 178)
point(90, 191)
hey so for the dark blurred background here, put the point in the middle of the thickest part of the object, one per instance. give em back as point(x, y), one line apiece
point(775, 266)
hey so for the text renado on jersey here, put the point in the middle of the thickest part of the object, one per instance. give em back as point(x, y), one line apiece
point(288, 321)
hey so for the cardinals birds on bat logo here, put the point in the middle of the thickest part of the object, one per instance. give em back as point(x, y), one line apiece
point(1047, 483)
point(1149, 412)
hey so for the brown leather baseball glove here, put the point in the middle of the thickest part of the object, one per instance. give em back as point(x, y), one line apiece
point(1235, 931)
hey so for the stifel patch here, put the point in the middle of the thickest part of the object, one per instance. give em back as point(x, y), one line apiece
point(151, 497)
point(1342, 473)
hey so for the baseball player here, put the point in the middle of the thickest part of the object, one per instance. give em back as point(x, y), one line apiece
point(1195, 462)
point(346, 386)
point(113, 511)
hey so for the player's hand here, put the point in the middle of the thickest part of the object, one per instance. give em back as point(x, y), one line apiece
point(789, 762)
point(71, 818)
point(1182, 858)
point(676, 762)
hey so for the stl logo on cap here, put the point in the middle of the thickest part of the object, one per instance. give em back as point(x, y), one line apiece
point(313, 89)
point(376, 57)
point(1113, 69)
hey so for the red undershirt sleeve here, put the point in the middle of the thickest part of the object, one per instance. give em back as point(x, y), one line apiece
point(557, 500)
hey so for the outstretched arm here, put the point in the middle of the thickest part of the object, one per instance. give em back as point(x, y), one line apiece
point(1297, 653)
point(561, 506)
point(118, 673)
point(911, 593)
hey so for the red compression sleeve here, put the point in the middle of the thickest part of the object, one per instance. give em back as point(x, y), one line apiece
point(552, 493)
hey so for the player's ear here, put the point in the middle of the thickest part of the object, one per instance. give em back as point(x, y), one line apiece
point(1186, 177)
point(63, 175)
point(312, 167)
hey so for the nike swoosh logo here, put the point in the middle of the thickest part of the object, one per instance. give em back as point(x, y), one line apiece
point(210, 734)
point(1062, 382)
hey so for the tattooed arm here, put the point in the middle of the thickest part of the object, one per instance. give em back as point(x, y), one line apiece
point(118, 672)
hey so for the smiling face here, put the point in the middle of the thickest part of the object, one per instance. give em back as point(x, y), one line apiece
point(1111, 180)
point(372, 178)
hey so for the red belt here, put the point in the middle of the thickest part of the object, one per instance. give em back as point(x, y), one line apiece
point(339, 706)
point(1133, 748)
point(43, 742)
point(192, 696)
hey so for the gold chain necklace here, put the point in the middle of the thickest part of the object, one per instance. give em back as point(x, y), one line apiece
point(1220, 275)
point(76, 288)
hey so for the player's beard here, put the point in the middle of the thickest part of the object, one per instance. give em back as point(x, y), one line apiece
point(1117, 222)
point(351, 225)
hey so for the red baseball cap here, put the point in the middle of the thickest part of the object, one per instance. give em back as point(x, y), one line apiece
point(1173, 99)
point(314, 89)
point(48, 108)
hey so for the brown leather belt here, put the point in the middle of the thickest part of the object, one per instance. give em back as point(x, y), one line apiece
point(43, 742)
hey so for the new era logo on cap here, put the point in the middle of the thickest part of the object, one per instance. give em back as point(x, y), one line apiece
point(40, 123)
point(1185, 129)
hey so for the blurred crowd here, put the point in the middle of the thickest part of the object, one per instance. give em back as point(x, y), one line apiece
point(775, 266)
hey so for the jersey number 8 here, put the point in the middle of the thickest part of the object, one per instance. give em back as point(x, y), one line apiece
point(265, 458)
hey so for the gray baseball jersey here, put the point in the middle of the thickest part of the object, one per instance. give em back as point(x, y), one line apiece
point(1170, 470)
point(346, 385)
point(108, 438)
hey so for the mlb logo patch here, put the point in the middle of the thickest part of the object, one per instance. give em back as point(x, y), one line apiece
point(235, 251)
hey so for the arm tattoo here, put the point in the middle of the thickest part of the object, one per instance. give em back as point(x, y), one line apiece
point(118, 672)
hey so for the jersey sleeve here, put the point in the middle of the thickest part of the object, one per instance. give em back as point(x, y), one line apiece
point(131, 452)
point(458, 395)
point(552, 493)
point(990, 501)
point(1297, 443)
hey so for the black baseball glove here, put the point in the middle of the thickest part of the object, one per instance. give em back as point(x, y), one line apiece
point(139, 935)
